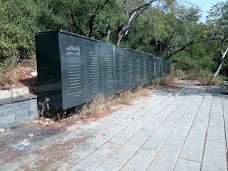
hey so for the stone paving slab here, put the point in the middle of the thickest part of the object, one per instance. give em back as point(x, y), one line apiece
point(194, 144)
point(168, 155)
point(179, 129)
point(118, 159)
point(187, 165)
point(214, 157)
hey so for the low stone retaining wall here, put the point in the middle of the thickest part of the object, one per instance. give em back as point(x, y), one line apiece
point(13, 92)
point(17, 110)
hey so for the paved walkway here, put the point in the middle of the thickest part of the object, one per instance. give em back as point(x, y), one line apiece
point(174, 129)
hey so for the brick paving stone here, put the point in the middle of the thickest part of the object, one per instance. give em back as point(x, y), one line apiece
point(155, 122)
point(124, 153)
point(187, 165)
point(96, 158)
point(214, 157)
point(194, 144)
point(172, 106)
point(155, 142)
point(216, 131)
point(184, 125)
point(180, 110)
point(204, 111)
point(46, 164)
point(194, 107)
point(139, 162)
point(84, 150)
point(128, 120)
point(225, 109)
point(15, 164)
point(168, 155)
point(129, 131)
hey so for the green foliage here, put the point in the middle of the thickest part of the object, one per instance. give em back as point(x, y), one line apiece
point(20, 20)
point(162, 30)
point(17, 25)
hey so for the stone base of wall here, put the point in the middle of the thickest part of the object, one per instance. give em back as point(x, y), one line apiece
point(17, 110)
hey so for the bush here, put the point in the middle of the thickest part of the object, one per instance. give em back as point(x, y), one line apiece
point(17, 25)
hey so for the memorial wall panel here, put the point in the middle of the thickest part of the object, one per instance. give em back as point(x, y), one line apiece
point(48, 68)
point(137, 69)
point(73, 70)
point(144, 65)
point(93, 66)
point(141, 56)
point(165, 67)
point(108, 76)
point(130, 72)
point(120, 69)
point(155, 67)
point(160, 65)
point(150, 69)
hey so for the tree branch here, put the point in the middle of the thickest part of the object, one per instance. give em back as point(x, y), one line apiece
point(223, 41)
point(169, 41)
point(99, 8)
point(132, 15)
point(74, 22)
point(170, 55)
point(140, 9)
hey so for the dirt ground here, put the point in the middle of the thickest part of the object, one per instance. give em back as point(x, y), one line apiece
point(24, 74)
point(29, 141)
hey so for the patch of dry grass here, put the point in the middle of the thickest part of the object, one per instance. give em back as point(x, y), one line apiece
point(203, 76)
point(101, 106)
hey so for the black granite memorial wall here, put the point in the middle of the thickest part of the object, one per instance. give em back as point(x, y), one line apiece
point(73, 69)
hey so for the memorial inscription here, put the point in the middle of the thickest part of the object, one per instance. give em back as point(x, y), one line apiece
point(108, 70)
point(150, 69)
point(73, 70)
point(145, 70)
point(130, 74)
point(137, 70)
point(155, 67)
point(120, 68)
point(93, 68)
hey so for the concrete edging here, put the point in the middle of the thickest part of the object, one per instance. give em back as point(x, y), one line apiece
point(4, 94)
point(17, 107)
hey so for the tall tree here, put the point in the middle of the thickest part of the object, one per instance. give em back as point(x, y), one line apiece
point(218, 22)
point(89, 19)
point(132, 10)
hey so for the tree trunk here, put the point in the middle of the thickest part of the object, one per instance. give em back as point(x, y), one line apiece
point(120, 37)
point(124, 30)
point(108, 35)
point(220, 65)
point(132, 15)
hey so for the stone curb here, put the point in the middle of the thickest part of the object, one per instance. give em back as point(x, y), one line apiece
point(13, 92)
